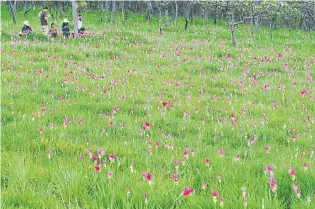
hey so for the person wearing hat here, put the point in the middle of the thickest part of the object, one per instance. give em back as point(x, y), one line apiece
point(65, 28)
point(44, 20)
point(26, 29)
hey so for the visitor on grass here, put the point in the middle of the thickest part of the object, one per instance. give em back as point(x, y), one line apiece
point(65, 28)
point(79, 18)
point(53, 31)
point(26, 29)
point(44, 20)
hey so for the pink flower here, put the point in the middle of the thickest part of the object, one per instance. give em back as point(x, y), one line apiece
point(221, 152)
point(147, 176)
point(273, 184)
point(292, 173)
point(185, 153)
point(267, 148)
point(214, 196)
point(221, 201)
point(97, 168)
point(203, 185)
point(298, 193)
point(174, 176)
point(111, 157)
point(145, 198)
point(305, 165)
point(207, 162)
point(176, 164)
point(187, 191)
point(128, 191)
point(110, 174)
point(303, 92)
point(220, 177)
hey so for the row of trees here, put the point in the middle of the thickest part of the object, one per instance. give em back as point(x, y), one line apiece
point(271, 13)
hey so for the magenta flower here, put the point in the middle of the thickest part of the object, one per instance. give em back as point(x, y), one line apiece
point(292, 173)
point(267, 148)
point(207, 162)
point(214, 196)
point(145, 198)
point(97, 168)
point(174, 176)
point(111, 157)
point(187, 191)
point(273, 184)
point(147, 176)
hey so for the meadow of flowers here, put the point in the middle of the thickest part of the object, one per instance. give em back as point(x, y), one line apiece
point(129, 118)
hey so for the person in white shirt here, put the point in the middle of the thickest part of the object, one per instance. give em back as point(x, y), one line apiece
point(79, 22)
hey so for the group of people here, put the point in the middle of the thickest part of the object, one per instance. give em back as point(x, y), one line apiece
point(53, 32)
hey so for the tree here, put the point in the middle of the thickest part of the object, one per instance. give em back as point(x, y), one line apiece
point(74, 16)
point(12, 5)
point(112, 11)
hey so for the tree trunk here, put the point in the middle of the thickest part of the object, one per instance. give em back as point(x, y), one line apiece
point(215, 13)
point(102, 12)
point(234, 41)
point(61, 11)
point(176, 13)
point(26, 10)
point(186, 14)
point(160, 21)
point(166, 18)
point(271, 27)
point(257, 17)
point(149, 13)
point(252, 21)
point(123, 11)
point(112, 11)
point(13, 10)
point(74, 16)
point(205, 13)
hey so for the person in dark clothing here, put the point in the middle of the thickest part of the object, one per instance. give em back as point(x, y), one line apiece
point(26, 29)
point(53, 31)
point(65, 28)
point(44, 20)
point(81, 31)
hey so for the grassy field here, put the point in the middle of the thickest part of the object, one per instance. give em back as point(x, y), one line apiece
point(103, 121)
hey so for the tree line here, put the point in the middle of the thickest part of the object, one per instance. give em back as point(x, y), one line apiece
point(270, 13)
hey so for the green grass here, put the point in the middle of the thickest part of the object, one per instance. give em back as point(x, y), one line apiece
point(209, 74)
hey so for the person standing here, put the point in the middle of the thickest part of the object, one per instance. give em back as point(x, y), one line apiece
point(79, 18)
point(44, 20)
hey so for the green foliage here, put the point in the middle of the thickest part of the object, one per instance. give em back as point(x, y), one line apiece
point(194, 69)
